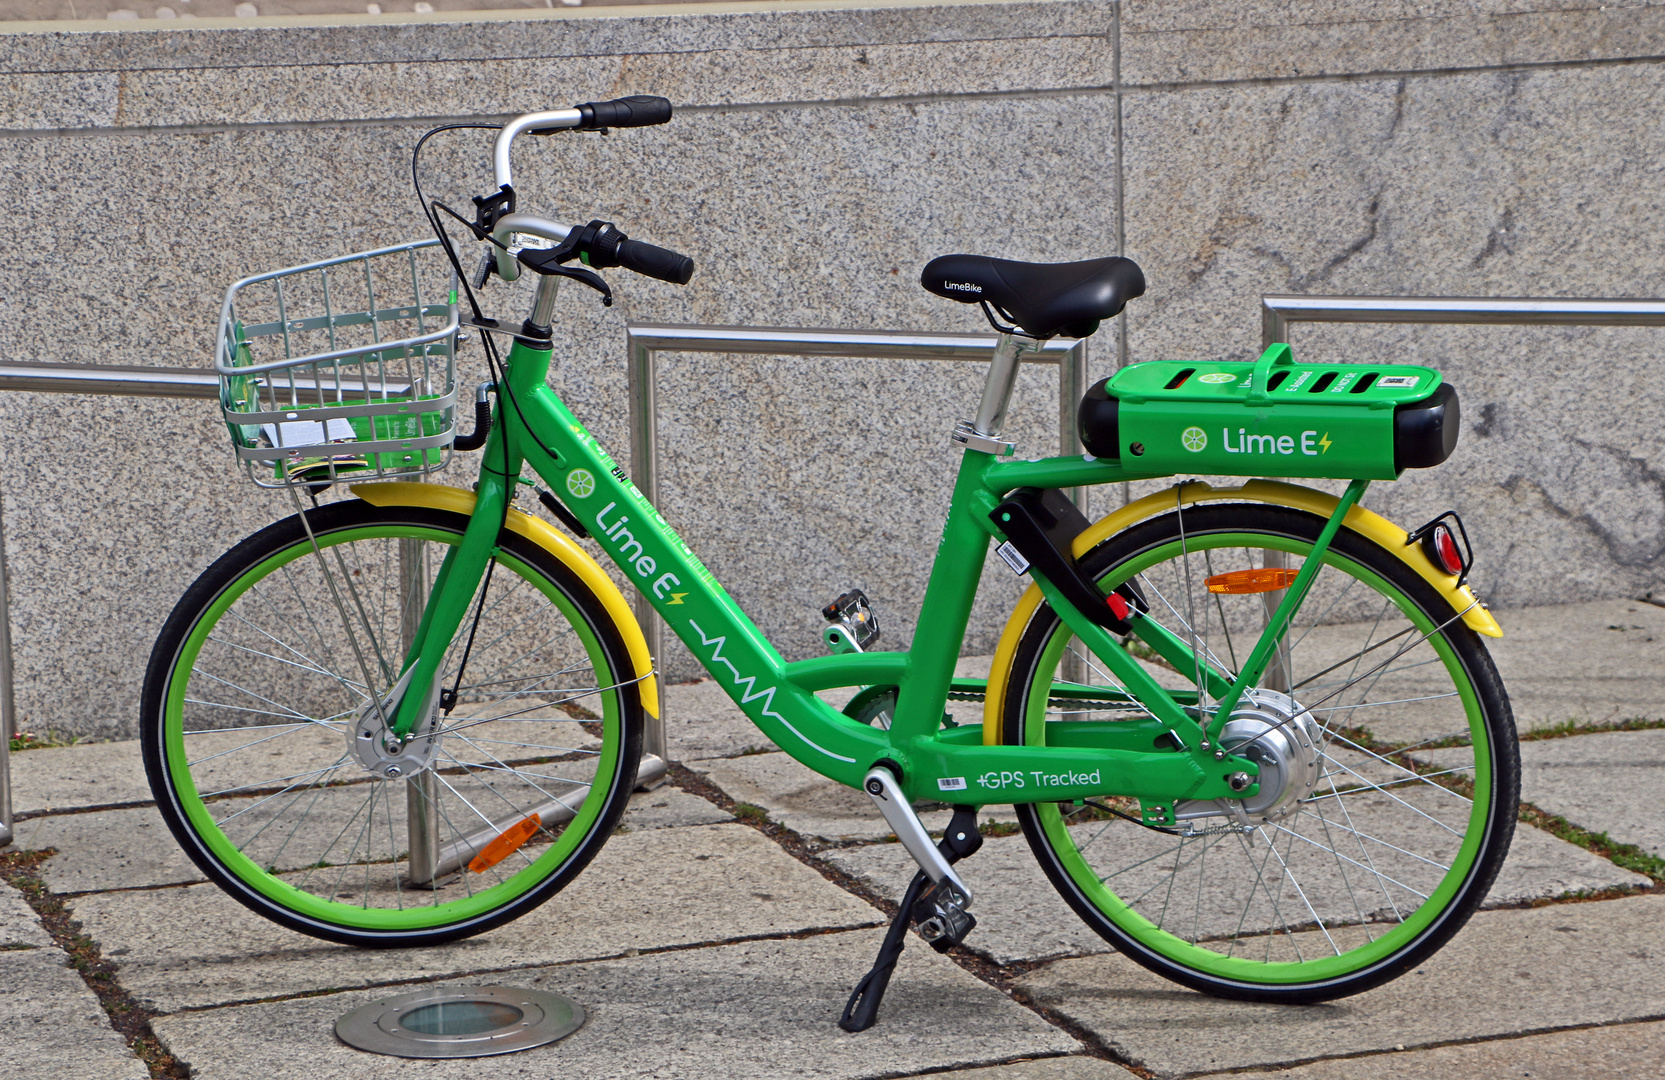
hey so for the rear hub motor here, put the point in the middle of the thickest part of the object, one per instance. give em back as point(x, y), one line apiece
point(1277, 733)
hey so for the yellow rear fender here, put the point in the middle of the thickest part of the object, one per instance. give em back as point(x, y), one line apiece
point(1366, 523)
point(546, 536)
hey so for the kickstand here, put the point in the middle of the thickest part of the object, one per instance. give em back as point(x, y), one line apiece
point(862, 1010)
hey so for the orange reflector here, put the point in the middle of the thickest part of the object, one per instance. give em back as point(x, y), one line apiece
point(1251, 581)
point(506, 844)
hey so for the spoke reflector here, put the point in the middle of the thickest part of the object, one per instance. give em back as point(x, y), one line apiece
point(507, 843)
point(1251, 581)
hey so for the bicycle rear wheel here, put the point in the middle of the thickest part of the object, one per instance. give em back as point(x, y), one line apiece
point(261, 738)
point(1389, 767)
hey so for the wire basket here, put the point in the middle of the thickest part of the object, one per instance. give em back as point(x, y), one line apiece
point(342, 369)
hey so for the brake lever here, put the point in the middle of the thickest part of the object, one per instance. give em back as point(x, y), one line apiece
point(548, 261)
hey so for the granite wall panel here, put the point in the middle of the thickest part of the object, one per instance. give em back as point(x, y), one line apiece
point(1196, 41)
point(825, 154)
point(1490, 184)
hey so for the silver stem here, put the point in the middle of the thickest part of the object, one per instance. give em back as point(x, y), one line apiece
point(544, 305)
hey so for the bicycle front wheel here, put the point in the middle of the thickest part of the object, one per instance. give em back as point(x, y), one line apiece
point(265, 752)
point(1389, 766)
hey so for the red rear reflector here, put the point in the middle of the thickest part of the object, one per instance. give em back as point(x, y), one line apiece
point(1251, 581)
point(1445, 550)
point(506, 844)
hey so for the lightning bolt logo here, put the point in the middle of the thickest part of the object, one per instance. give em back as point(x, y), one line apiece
point(676, 598)
point(1325, 442)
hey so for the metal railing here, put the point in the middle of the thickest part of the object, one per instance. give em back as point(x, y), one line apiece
point(644, 343)
point(71, 379)
point(1277, 312)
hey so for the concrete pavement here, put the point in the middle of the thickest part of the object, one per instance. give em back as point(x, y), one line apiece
point(702, 944)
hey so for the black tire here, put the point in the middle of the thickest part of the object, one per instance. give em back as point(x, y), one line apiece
point(1381, 860)
point(251, 726)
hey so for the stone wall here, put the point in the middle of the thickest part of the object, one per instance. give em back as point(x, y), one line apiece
point(822, 153)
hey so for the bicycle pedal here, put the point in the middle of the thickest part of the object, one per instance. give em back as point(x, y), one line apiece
point(854, 626)
point(947, 928)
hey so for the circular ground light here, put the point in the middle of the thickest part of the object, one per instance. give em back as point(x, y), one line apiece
point(460, 1022)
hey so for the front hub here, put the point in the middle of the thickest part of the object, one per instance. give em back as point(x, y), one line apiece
point(383, 754)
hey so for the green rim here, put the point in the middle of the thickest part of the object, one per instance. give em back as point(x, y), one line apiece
point(1239, 969)
point(356, 916)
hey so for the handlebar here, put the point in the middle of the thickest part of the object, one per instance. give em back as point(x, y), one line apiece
point(636, 111)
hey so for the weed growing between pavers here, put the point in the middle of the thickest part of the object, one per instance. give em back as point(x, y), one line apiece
point(28, 740)
point(1582, 727)
point(1627, 856)
point(745, 811)
point(21, 869)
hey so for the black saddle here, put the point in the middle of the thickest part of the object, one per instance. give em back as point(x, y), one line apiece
point(1043, 299)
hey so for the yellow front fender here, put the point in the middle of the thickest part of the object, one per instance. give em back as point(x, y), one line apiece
point(546, 536)
point(1366, 523)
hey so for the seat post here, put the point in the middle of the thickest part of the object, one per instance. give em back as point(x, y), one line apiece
point(997, 389)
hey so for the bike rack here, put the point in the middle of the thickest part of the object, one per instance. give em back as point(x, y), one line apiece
point(645, 342)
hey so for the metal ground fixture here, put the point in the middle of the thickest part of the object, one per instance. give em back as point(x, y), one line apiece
point(460, 1022)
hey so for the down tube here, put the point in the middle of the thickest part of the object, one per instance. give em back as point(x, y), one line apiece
point(657, 561)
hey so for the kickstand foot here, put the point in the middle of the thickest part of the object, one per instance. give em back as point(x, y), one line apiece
point(862, 1009)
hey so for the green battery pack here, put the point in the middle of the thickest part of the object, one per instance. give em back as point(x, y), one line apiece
point(1273, 417)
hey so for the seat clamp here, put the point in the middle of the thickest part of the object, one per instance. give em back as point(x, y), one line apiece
point(965, 434)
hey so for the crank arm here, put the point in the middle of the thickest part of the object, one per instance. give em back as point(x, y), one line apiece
point(886, 794)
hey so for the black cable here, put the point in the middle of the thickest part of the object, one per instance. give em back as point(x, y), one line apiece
point(1129, 817)
point(492, 364)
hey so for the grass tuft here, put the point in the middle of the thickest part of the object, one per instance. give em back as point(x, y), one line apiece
point(1627, 856)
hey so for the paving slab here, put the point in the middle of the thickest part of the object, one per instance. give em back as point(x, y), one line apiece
point(1020, 917)
point(759, 1009)
point(132, 848)
point(1058, 1068)
point(810, 804)
point(701, 721)
point(1594, 662)
point(1506, 973)
point(55, 1028)
point(75, 777)
point(194, 946)
point(1611, 782)
point(1599, 1053)
point(19, 925)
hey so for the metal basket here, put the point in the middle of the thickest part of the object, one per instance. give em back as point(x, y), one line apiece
point(340, 369)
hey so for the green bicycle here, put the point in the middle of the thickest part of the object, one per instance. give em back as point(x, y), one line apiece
point(1252, 733)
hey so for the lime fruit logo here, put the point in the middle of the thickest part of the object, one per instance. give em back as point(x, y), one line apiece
point(1194, 439)
point(581, 482)
point(1217, 377)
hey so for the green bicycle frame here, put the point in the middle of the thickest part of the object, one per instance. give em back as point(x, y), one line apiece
point(1082, 759)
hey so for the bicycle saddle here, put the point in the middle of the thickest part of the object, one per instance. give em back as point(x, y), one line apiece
point(1042, 299)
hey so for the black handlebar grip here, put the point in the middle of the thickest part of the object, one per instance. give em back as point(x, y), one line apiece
point(638, 111)
point(655, 262)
